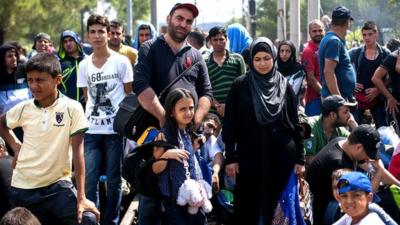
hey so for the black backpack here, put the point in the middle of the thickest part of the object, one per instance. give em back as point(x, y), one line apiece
point(137, 168)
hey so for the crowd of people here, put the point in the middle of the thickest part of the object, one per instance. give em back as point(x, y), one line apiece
point(247, 123)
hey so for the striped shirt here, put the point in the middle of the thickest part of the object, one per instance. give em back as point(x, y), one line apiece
point(222, 77)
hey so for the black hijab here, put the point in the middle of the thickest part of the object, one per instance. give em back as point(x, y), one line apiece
point(268, 90)
point(291, 66)
point(6, 78)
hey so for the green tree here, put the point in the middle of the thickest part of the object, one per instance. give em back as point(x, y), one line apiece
point(21, 20)
point(266, 19)
point(267, 16)
point(140, 9)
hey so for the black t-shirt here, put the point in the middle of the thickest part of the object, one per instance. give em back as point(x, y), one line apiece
point(389, 64)
point(319, 175)
point(158, 66)
point(367, 71)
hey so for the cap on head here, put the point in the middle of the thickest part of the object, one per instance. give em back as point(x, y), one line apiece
point(188, 6)
point(341, 12)
point(369, 138)
point(39, 36)
point(333, 102)
point(354, 181)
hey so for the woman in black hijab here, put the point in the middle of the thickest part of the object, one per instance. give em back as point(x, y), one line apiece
point(289, 67)
point(13, 84)
point(261, 134)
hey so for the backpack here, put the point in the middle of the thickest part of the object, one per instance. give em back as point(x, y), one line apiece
point(132, 120)
point(137, 168)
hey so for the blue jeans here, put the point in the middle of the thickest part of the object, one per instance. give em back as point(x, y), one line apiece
point(53, 204)
point(313, 108)
point(109, 148)
point(378, 113)
point(149, 210)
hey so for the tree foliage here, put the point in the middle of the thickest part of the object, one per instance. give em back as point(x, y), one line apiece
point(21, 20)
point(267, 16)
point(383, 12)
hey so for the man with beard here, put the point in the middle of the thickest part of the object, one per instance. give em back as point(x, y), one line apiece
point(115, 42)
point(310, 61)
point(160, 62)
point(335, 115)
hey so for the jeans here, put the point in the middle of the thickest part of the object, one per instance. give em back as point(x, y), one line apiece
point(109, 148)
point(149, 210)
point(53, 204)
point(378, 113)
point(313, 108)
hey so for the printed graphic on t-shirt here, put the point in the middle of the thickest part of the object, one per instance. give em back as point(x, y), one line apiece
point(102, 102)
point(105, 90)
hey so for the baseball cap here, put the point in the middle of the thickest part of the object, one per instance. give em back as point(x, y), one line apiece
point(188, 6)
point(39, 36)
point(369, 138)
point(354, 181)
point(333, 102)
point(341, 12)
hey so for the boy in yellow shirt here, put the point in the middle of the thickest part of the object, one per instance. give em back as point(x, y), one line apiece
point(52, 125)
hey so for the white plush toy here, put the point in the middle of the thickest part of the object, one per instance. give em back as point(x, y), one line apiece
point(195, 194)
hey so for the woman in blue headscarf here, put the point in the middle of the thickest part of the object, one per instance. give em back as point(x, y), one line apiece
point(238, 37)
point(144, 32)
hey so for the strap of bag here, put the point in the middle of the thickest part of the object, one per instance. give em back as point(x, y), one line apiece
point(176, 79)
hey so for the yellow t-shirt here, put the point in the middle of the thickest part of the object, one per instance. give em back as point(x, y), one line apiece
point(45, 155)
point(129, 52)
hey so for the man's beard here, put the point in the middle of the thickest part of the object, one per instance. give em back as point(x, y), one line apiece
point(317, 39)
point(174, 35)
point(114, 44)
point(339, 124)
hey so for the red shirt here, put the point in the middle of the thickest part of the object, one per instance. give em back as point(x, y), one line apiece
point(310, 61)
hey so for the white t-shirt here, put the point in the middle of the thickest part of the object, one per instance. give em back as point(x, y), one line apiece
point(211, 148)
point(371, 219)
point(105, 87)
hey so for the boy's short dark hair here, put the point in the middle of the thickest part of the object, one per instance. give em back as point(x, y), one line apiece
point(217, 30)
point(369, 25)
point(45, 63)
point(19, 216)
point(98, 19)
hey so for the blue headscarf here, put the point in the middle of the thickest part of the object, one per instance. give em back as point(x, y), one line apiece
point(153, 34)
point(238, 37)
